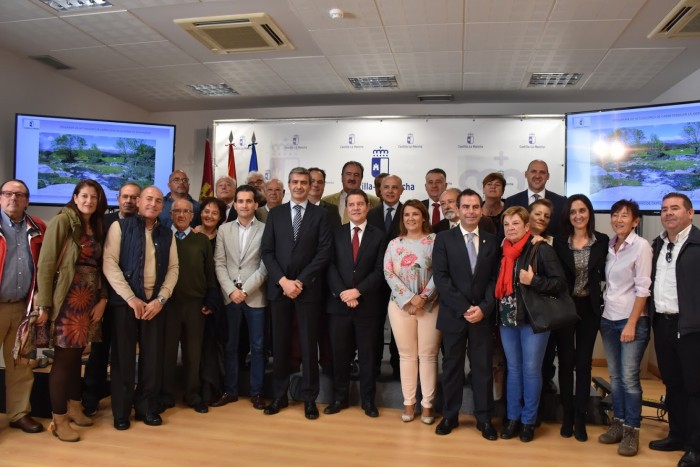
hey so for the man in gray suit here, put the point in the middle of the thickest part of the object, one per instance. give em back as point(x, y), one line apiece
point(242, 276)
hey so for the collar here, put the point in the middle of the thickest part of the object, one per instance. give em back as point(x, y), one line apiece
point(464, 232)
point(362, 226)
point(394, 206)
point(187, 230)
point(303, 204)
point(7, 219)
point(682, 235)
point(543, 194)
point(250, 224)
point(629, 240)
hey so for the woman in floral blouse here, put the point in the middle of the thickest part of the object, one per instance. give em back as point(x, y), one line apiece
point(413, 307)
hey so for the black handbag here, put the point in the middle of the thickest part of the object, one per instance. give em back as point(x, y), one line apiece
point(546, 312)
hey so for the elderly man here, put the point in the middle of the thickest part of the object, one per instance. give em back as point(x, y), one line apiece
point(179, 184)
point(21, 236)
point(450, 211)
point(351, 178)
point(95, 378)
point(225, 189)
point(274, 193)
point(435, 184)
point(141, 264)
point(257, 181)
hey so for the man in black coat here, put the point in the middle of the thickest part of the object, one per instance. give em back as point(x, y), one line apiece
point(465, 268)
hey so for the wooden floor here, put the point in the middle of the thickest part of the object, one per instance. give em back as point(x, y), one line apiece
point(242, 436)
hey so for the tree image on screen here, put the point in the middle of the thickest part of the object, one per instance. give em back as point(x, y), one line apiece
point(65, 159)
point(656, 155)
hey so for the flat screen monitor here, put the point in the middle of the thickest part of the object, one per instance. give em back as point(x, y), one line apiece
point(52, 154)
point(639, 153)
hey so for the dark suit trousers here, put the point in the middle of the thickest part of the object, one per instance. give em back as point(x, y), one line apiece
point(307, 315)
point(128, 331)
point(345, 331)
point(95, 381)
point(678, 363)
point(184, 324)
point(479, 338)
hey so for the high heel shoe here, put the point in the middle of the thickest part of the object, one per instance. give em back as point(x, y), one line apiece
point(409, 413)
point(427, 416)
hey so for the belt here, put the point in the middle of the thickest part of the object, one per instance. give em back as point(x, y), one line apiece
point(669, 316)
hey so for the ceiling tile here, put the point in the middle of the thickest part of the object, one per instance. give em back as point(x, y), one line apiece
point(425, 38)
point(503, 36)
point(357, 41)
point(429, 62)
point(439, 82)
point(309, 75)
point(94, 58)
point(491, 81)
point(569, 61)
point(132, 4)
point(565, 10)
point(506, 61)
point(315, 14)
point(115, 28)
point(159, 53)
point(581, 34)
point(479, 11)
point(630, 68)
point(22, 36)
point(13, 10)
point(364, 65)
point(415, 12)
point(251, 78)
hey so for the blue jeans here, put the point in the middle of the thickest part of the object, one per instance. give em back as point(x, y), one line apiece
point(623, 366)
point(524, 354)
point(255, 317)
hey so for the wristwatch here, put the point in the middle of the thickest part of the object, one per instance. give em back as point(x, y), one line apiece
point(161, 299)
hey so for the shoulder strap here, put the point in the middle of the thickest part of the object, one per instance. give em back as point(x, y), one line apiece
point(532, 257)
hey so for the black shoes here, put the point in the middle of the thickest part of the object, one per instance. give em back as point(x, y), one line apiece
point(487, 430)
point(275, 406)
point(527, 433)
point(150, 419)
point(200, 407)
point(310, 410)
point(258, 401)
point(335, 407)
point(511, 429)
point(122, 424)
point(90, 410)
point(690, 459)
point(226, 398)
point(370, 409)
point(446, 426)
point(580, 428)
point(666, 444)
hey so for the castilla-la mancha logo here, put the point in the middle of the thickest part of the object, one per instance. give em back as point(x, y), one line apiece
point(380, 161)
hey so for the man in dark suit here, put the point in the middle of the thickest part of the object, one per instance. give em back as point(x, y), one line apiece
point(225, 190)
point(355, 277)
point(96, 385)
point(318, 185)
point(465, 268)
point(435, 185)
point(296, 248)
point(448, 205)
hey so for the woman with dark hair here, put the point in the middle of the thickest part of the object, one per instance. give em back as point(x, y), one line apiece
point(413, 308)
point(582, 252)
point(494, 184)
point(71, 295)
point(624, 325)
point(540, 216)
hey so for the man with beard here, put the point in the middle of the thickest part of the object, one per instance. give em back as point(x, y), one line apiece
point(351, 178)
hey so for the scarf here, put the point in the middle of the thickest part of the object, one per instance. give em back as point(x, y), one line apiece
point(511, 252)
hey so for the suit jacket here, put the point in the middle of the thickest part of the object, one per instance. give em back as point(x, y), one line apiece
point(428, 203)
point(596, 266)
point(247, 266)
point(375, 217)
point(334, 220)
point(232, 215)
point(485, 224)
point(558, 201)
point(366, 274)
point(457, 286)
point(305, 259)
point(335, 200)
point(261, 214)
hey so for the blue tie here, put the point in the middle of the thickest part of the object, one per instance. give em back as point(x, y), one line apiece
point(387, 220)
point(471, 250)
point(180, 235)
point(296, 222)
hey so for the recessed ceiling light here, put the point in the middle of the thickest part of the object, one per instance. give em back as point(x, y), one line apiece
point(221, 89)
point(373, 82)
point(554, 79)
point(72, 5)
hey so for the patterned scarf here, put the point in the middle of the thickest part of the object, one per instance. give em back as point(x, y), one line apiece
point(511, 252)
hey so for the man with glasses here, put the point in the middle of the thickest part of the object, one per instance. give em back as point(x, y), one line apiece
point(257, 181)
point(179, 185)
point(21, 236)
point(675, 316)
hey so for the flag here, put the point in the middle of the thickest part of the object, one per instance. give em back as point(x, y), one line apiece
point(207, 174)
point(231, 161)
point(253, 167)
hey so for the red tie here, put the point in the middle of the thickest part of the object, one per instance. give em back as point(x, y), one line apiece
point(436, 213)
point(355, 243)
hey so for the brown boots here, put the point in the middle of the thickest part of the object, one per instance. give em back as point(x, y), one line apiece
point(630, 441)
point(614, 433)
point(60, 427)
point(75, 414)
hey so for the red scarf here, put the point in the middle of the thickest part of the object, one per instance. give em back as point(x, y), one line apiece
point(511, 252)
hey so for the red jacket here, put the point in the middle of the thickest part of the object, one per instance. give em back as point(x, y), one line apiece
point(35, 234)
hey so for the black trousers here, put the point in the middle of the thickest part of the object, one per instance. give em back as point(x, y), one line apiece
point(680, 372)
point(307, 315)
point(347, 331)
point(479, 338)
point(129, 331)
point(95, 381)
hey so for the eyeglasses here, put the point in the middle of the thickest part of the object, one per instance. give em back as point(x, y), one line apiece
point(180, 180)
point(182, 211)
point(16, 194)
point(669, 252)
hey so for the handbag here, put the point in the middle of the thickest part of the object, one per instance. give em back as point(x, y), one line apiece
point(547, 312)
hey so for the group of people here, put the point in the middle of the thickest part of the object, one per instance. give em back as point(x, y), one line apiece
point(449, 272)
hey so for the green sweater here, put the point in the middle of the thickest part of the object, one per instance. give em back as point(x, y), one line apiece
point(197, 278)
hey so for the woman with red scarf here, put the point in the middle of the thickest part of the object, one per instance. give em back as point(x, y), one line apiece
point(523, 348)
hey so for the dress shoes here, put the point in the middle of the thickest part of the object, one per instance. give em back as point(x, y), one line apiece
point(690, 459)
point(335, 407)
point(226, 398)
point(28, 425)
point(90, 410)
point(511, 429)
point(258, 401)
point(150, 419)
point(446, 426)
point(666, 444)
point(200, 407)
point(310, 410)
point(527, 433)
point(275, 406)
point(370, 409)
point(487, 430)
point(122, 424)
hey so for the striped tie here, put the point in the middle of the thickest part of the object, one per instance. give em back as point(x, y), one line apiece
point(296, 223)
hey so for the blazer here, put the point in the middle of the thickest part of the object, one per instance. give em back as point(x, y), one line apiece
point(305, 259)
point(232, 215)
point(231, 264)
point(366, 274)
point(457, 287)
point(261, 214)
point(558, 201)
point(375, 217)
point(333, 215)
point(596, 266)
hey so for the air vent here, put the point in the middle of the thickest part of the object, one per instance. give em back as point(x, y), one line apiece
point(373, 82)
point(682, 22)
point(213, 90)
point(553, 80)
point(50, 61)
point(255, 32)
